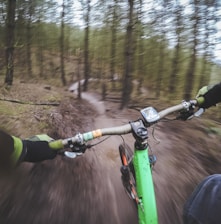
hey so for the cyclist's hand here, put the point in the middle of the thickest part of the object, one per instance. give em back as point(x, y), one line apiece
point(209, 95)
point(37, 151)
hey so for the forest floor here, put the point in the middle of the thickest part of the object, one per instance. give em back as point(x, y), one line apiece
point(88, 189)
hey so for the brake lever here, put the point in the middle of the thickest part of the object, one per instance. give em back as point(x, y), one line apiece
point(199, 112)
point(190, 114)
point(72, 155)
point(77, 150)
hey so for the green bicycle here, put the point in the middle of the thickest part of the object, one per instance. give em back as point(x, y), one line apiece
point(136, 166)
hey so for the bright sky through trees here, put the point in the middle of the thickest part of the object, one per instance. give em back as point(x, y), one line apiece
point(78, 20)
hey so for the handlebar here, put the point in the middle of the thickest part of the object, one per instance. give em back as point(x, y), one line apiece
point(184, 105)
point(80, 139)
point(85, 137)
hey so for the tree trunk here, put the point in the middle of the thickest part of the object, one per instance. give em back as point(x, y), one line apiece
point(140, 66)
point(10, 42)
point(160, 69)
point(78, 73)
point(190, 77)
point(86, 47)
point(204, 74)
point(113, 44)
point(127, 80)
point(209, 18)
point(174, 72)
point(193, 58)
point(28, 39)
point(141, 48)
point(176, 58)
point(63, 79)
point(40, 51)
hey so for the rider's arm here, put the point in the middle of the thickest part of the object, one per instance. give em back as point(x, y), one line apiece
point(211, 95)
point(7, 151)
point(14, 150)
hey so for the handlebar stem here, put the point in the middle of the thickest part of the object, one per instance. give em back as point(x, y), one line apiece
point(139, 131)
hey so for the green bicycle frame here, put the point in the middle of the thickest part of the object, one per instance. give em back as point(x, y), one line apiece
point(147, 209)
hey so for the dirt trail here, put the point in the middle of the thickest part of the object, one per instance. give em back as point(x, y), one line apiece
point(120, 207)
point(88, 189)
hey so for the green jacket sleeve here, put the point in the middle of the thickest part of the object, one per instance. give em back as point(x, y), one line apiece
point(18, 150)
point(11, 150)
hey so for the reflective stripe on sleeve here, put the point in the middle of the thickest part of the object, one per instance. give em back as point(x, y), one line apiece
point(18, 147)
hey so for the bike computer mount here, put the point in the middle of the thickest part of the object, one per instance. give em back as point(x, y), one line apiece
point(150, 115)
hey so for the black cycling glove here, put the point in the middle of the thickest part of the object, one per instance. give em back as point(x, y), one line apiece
point(37, 151)
point(212, 96)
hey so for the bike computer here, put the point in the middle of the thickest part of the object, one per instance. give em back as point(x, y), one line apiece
point(150, 114)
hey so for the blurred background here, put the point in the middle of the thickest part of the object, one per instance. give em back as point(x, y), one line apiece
point(169, 47)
